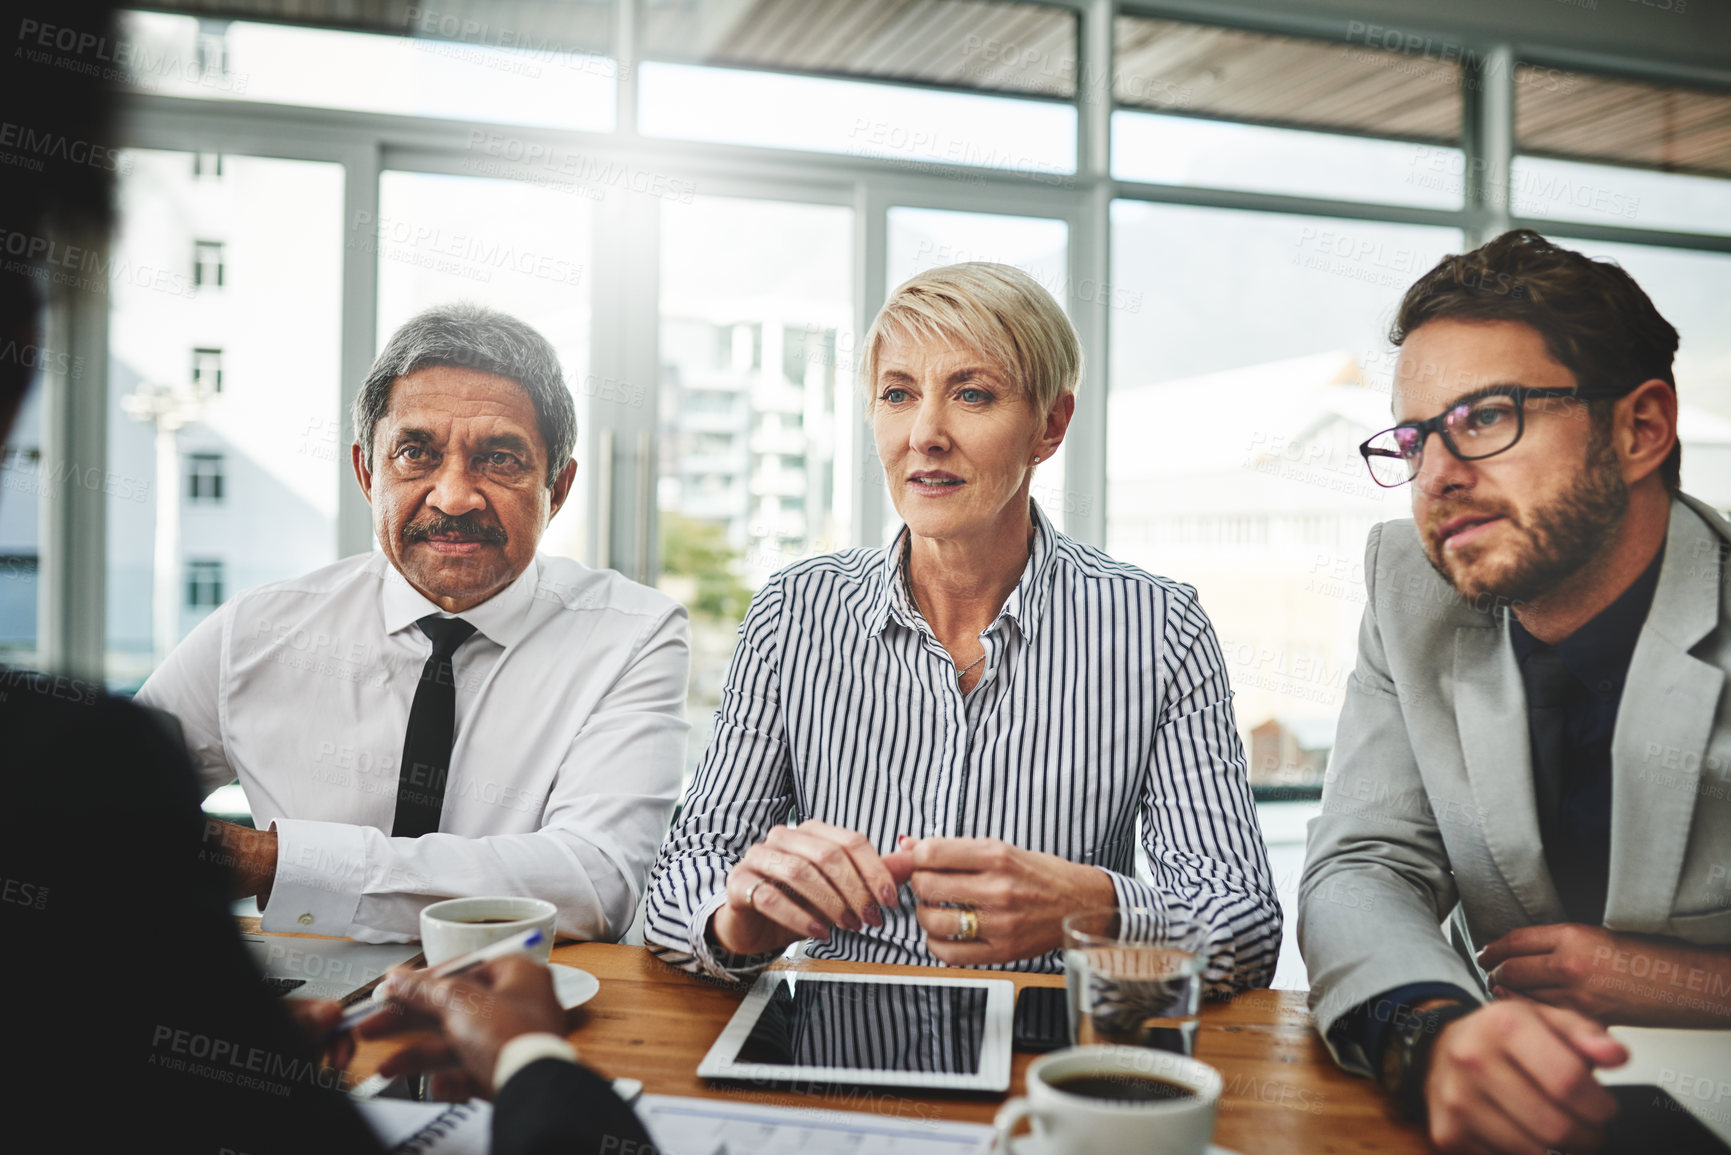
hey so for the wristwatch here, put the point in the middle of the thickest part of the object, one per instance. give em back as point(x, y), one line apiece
point(1406, 1058)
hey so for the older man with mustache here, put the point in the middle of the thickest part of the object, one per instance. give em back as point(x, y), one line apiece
point(453, 714)
point(1535, 740)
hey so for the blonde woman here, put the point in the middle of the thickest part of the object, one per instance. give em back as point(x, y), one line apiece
point(933, 752)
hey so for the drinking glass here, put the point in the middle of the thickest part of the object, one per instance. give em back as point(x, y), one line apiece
point(1135, 977)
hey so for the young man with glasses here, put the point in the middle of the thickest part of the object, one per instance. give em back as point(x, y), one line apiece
point(1534, 744)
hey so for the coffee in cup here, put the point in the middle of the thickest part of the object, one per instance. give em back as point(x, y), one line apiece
point(1112, 1100)
point(457, 926)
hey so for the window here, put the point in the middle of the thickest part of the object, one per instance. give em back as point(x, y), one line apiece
point(211, 56)
point(203, 585)
point(207, 370)
point(919, 130)
point(1227, 108)
point(207, 264)
point(534, 66)
point(1256, 365)
point(204, 477)
point(1614, 151)
point(1179, 150)
point(269, 506)
point(757, 405)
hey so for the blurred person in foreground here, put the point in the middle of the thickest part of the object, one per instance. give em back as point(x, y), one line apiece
point(1535, 739)
point(931, 753)
point(137, 1018)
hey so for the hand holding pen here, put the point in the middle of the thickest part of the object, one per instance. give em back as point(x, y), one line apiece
point(382, 998)
point(474, 1014)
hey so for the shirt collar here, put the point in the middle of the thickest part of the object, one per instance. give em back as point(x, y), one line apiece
point(1600, 650)
point(503, 618)
point(1025, 606)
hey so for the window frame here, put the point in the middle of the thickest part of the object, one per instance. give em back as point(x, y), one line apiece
point(205, 471)
point(204, 577)
point(623, 328)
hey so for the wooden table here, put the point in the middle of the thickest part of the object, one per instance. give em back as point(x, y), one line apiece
point(1283, 1091)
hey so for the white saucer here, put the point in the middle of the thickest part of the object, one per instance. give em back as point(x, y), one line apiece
point(574, 987)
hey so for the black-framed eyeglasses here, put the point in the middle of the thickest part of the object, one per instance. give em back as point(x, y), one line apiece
point(1478, 426)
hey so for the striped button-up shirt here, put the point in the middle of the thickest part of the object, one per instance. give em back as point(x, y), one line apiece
point(1102, 720)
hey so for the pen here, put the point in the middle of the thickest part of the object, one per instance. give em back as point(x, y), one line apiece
point(375, 1003)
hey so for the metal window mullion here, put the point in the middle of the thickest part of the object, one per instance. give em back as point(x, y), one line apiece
point(1488, 140)
point(1089, 258)
point(360, 313)
point(1089, 306)
point(625, 54)
point(871, 287)
point(625, 320)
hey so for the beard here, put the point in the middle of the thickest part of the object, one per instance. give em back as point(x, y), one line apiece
point(1563, 536)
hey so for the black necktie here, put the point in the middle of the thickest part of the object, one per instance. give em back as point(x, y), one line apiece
point(432, 725)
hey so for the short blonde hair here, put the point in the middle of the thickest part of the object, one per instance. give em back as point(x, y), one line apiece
point(998, 310)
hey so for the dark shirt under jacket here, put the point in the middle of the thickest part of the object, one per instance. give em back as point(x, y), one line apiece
point(1578, 684)
point(1573, 690)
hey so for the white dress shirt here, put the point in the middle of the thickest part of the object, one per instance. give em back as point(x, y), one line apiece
point(1101, 724)
point(570, 741)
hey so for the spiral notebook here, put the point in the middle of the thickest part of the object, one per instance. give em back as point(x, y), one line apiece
point(410, 1128)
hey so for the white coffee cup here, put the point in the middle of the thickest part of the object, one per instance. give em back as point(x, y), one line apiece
point(1074, 1124)
point(456, 927)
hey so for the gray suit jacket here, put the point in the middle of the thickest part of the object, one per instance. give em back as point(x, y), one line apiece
point(1428, 801)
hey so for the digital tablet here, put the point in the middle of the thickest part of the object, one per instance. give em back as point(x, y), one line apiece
point(876, 1030)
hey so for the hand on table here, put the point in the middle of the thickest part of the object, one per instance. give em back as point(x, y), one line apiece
point(1018, 897)
point(249, 854)
point(800, 882)
point(475, 1014)
point(1615, 978)
point(1517, 1077)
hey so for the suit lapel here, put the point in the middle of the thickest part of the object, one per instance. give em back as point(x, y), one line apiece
point(1670, 700)
point(1491, 714)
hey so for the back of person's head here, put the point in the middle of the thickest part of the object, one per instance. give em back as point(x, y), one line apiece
point(60, 100)
point(1595, 320)
point(996, 310)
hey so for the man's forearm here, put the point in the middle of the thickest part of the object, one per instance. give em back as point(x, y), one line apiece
point(249, 856)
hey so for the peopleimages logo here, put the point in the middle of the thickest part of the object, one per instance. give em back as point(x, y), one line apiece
point(83, 267)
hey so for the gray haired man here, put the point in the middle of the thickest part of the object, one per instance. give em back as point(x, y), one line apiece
point(453, 714)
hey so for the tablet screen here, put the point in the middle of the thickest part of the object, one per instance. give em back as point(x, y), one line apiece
point(914, 1027)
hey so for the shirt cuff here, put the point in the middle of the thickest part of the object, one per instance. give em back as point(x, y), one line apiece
point(526, 1049)
point(714, 959)
point(1367, 1025)
point(320, 867)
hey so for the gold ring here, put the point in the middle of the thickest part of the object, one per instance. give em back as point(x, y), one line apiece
point(967, 926)
point(751, 893)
